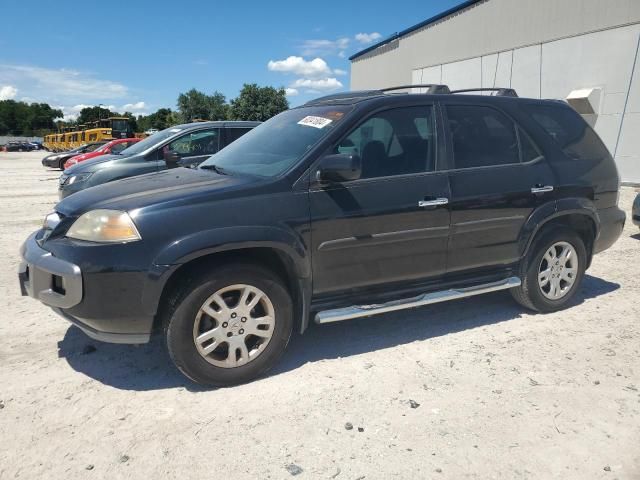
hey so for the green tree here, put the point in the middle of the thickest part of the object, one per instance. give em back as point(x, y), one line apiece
point(160, 119)
point(91, 114)
point(20, 118)
point(258, 103)
point(195, 104)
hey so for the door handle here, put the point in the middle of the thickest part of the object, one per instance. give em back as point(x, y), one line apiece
point(542, 189)
point(433, 203)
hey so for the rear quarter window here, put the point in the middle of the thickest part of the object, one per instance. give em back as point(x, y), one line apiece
point(565, 126)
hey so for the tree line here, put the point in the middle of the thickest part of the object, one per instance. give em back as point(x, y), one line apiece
point(253, 103)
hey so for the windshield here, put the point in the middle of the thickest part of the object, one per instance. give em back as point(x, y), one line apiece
point(273, 147)
point(120, 125)
point(151, 141)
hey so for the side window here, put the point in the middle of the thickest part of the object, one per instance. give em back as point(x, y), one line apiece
point(481, 136)
point(528, 150)
point(118, 147)
point(204, 142)
point(394, 142)
point(232, 134)
point(576, 138)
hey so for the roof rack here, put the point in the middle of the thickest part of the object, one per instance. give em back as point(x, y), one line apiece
point(432, 88)
point(500, 92)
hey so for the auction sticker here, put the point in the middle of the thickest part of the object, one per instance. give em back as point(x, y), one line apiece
point(315, 122)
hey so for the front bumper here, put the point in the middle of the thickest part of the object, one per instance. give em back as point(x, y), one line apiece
point(54, 282)
point(62, 286)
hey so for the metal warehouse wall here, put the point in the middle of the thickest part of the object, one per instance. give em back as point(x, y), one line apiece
point(542, 48)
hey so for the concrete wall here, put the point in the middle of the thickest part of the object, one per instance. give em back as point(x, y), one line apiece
point(6, 139)
point(542, 48)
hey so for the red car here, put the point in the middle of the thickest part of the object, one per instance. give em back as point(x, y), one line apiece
point(114, 147)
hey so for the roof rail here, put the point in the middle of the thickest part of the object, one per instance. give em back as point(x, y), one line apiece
point(432, 88)
point(345, 96)
point(500, 92)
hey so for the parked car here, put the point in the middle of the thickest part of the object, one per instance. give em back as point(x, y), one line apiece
point(19, 147)
point(349, 206)
point(182, 145)
point(37, 145)
point(114, 147)
point(57, 160)
point(636, 211)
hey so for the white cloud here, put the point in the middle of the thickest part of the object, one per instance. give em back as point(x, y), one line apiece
point(338, 71)
point(47, 83)
point(324, 47)
point(365, 38)
point(131, 107)
point(291, 92)
point(7, 92)
point(299, 66)
point(320, 85)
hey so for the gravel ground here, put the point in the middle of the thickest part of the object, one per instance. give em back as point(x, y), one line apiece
point(477, 388)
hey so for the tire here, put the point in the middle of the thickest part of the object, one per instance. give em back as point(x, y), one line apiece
point(187, 320)
point(540, 296)
point(61, 164)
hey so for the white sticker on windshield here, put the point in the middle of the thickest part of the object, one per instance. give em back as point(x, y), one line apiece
point(315, 122)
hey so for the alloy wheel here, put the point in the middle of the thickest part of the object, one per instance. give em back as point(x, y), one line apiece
point(558, 270)
point(234, 326)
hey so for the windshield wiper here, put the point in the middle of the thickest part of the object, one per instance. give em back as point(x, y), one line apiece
point(215, 168)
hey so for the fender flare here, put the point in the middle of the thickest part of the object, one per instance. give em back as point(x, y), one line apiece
point(228, 239)
point(551, 211)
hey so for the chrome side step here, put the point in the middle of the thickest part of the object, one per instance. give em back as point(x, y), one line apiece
point(357, 311)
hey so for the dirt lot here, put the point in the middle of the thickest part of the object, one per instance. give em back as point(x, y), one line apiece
point(477, 388)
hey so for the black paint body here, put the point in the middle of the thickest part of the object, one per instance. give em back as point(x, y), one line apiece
point(341, 243)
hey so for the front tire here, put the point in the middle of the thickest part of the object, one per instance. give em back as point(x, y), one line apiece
point(230, 325)
point(552, 271)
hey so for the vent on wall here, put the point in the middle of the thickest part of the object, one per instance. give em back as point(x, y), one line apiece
point(586, 101)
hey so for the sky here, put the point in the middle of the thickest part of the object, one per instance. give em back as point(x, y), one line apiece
point(139, 55)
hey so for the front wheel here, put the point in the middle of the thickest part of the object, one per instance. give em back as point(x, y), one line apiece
point(553, 271)
point(230, 325)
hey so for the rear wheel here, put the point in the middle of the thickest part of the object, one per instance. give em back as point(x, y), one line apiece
point(230, 325)
point(553, 271)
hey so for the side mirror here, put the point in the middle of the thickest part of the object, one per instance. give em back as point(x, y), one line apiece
point(339, 167)
point(171, 158)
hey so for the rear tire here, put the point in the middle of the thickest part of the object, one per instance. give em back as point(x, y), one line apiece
point(229, 325)
point(552, 271)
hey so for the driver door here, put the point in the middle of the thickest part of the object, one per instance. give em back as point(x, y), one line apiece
point(191, 149)
point(386, 226)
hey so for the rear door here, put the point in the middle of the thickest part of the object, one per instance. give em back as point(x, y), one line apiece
point(231, 134)
point(498, 177)
point(378, 229)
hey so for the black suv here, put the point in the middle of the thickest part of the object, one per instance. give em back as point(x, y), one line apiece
point(179, 146)
point(349, 206)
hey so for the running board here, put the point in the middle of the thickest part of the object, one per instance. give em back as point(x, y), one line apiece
point(358, 311)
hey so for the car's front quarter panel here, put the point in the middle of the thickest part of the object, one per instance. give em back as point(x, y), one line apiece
point(123, 283)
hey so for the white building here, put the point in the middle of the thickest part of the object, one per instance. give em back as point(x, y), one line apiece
point(586, 51)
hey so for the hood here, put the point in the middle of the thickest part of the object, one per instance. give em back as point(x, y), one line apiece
point(87, 156)
point(59, 155)
point(180, 185)
point(87, 164)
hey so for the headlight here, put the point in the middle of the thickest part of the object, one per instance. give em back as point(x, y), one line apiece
point(104, 226)
point(81, 177)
